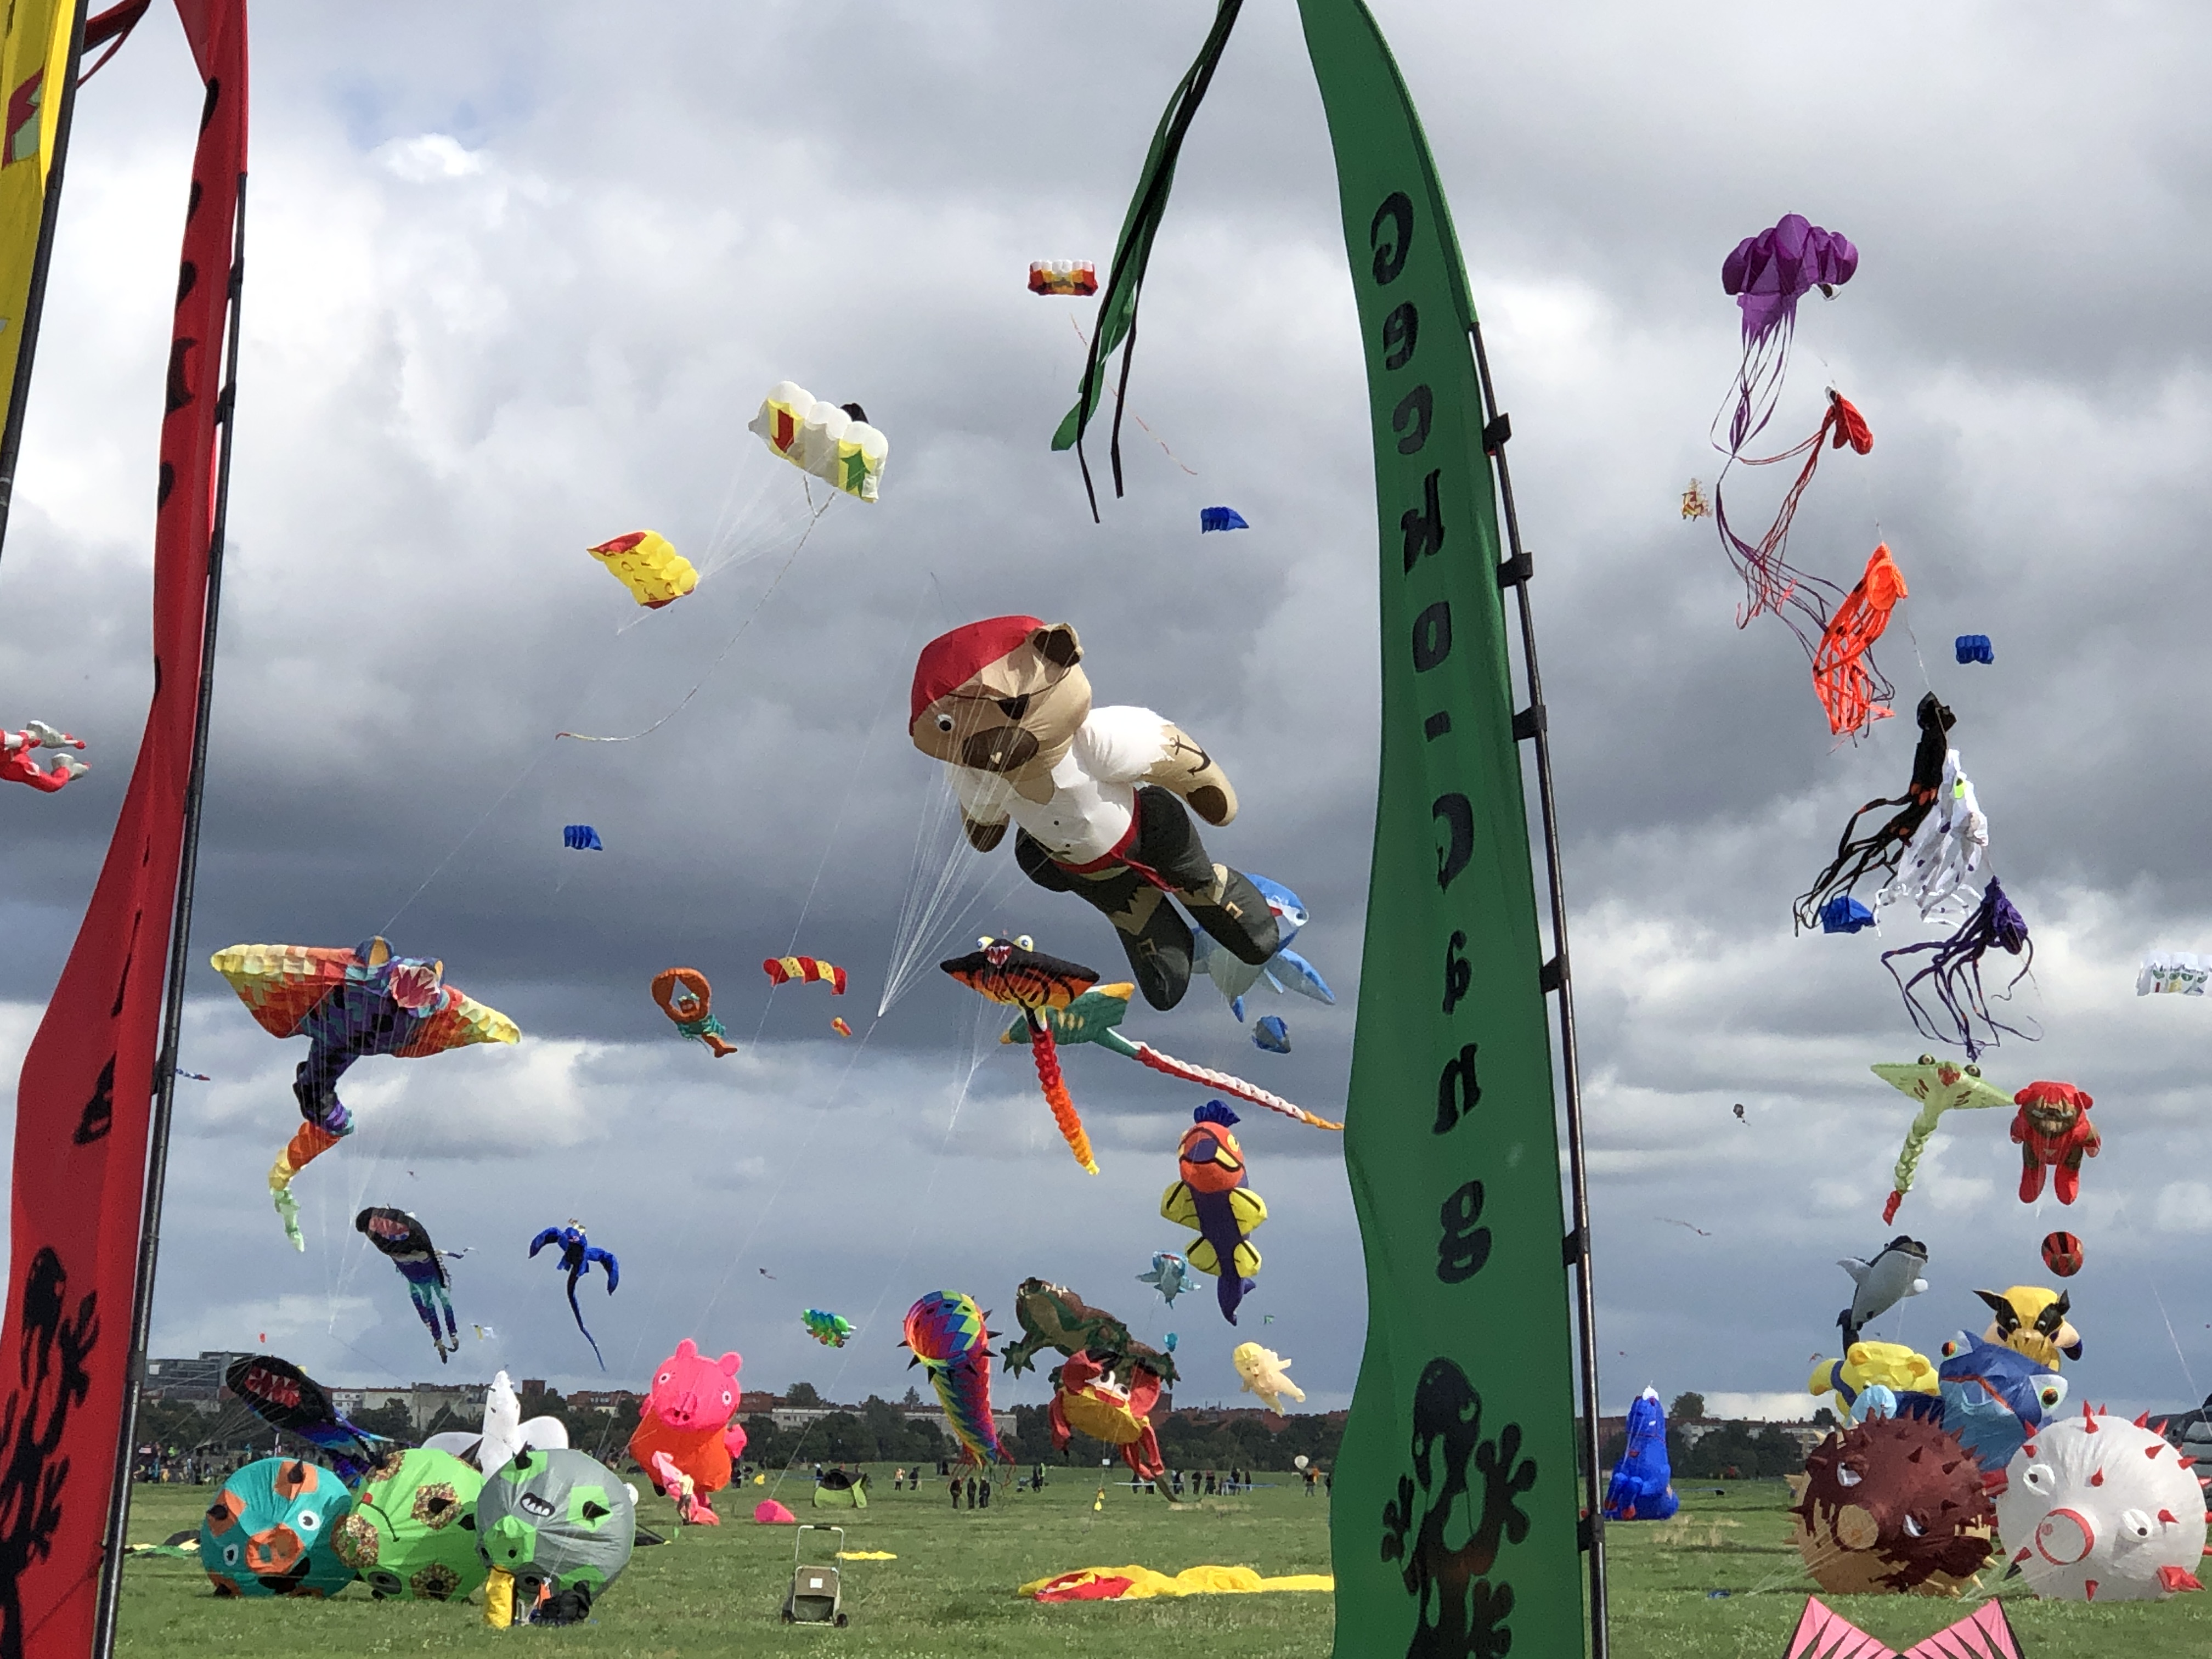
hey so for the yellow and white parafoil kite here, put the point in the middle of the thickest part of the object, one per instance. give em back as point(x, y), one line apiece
point(644, 562)
point(835, 444)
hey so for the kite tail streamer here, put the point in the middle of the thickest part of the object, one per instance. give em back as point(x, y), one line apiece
point(1954, 966)
point(1249, 1092)
point(963, 1388)
point(310, 1142)
point(1056, 1096)
point(581, 1326)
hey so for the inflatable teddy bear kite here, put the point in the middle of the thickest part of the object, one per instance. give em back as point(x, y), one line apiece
point(1096, 795)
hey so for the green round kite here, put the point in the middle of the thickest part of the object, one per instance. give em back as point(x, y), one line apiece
point(413, 1530)
point(558, 1520)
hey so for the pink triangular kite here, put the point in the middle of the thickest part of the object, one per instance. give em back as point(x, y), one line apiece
point(1822, 1633)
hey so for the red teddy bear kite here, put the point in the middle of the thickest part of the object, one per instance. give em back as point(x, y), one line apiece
point(2053, 1130)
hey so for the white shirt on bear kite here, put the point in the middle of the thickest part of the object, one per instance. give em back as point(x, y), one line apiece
point(1093, 787)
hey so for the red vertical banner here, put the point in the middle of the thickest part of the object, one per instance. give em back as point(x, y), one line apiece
point(83, 1105)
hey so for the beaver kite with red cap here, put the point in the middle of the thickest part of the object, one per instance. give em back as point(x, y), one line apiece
point(1098, 795)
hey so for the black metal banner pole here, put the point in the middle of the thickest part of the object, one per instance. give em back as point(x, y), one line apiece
point(1559, 977)
point(19, 394)
point(173, 1009)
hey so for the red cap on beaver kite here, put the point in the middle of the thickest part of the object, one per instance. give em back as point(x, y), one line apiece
point(950, 660)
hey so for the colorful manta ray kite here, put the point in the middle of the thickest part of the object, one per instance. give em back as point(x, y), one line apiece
point(945, 1332)
point(347, 1004)
point(405, 1243)
point(1092, 1016)
point(1009, 971)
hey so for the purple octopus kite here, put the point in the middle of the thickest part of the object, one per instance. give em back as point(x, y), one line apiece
point(1954, 964)
point(1768, 274)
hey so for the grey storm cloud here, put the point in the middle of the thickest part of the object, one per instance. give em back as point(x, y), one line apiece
point(508, 297)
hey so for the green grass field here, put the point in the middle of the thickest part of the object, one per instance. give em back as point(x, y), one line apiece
point(950, 1591)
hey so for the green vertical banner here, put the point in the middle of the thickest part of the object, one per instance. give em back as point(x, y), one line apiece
point(1454, 1521)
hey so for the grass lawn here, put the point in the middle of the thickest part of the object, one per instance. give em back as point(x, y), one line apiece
point(1662, 1574)
point(950, 1591)
point(719, 1590)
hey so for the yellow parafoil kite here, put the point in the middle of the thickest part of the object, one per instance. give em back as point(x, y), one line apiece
point(644, 562)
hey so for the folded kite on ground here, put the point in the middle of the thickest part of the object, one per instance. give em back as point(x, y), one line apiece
point(1142, 1584)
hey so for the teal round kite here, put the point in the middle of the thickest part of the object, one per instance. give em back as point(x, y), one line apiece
point(272, 1530)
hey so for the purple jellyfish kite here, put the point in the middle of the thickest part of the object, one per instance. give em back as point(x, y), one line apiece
point(1953, 973)
point(1768, 274)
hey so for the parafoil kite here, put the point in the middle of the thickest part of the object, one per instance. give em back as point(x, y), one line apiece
point(1954, 967)
point(2174, 973)
point(804, 970)
point(1642, 1486)
point(1893, 1505)
point(347, 1004)
point(1973, 647)
point(405, 1243)
point(581, 838)
point(1170, 1276)
point(1882, 1283)
point(1098, 794)
point(2053, 1130)
point(684, 995)
point(19, 757)
point(1851, 689)
point(1054, 1316)
point(1220, 518)
point(1844, 915)
point(1008, 971)
point(687, 1430)
point(1286, 970)
point(1267, 1374)
point(827, 1329)
point(2063, 1254)
point(1087, 1399)
point(2104, 1510)
point(947, 1334)
point(270, 1528)
point(578, 1253)
point(1858, 856)
point(1946, 848)
point(1213, 1199)
point(1939, 1086)
point(1271, 1035)
point(1078, 278)
point(1092, 1016)
point(285, 1397)
point(644, 562)
point(832, 441)
point(1768, 274)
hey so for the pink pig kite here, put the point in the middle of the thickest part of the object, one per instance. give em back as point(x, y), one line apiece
point(684, 1421)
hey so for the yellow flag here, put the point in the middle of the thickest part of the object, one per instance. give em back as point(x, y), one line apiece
point(34, 43)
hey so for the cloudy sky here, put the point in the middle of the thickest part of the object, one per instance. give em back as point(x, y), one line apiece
point(508, 296)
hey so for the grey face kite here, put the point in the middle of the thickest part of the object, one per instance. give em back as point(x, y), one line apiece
point(1882, 1283)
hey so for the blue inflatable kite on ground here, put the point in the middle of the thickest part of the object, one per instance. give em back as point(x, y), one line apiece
point(1844, 915)
point(581, 838)
point(1220, 518)
point(1641, 1488)
point(1974, 647)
